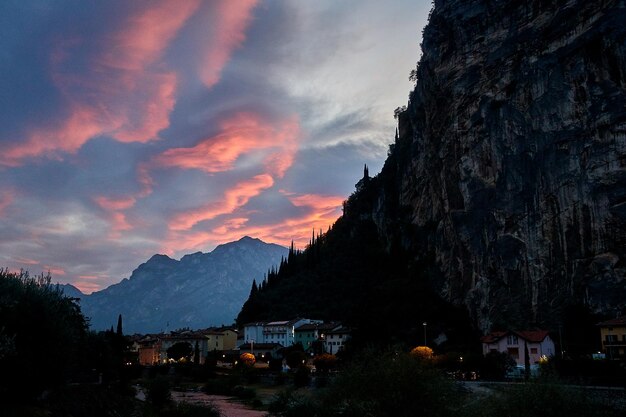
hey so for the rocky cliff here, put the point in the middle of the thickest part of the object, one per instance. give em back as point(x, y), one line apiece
point(509, 169)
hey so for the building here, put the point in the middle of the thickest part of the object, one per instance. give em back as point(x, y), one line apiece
point(221, 339)
point(335, 340)
point(613, 337)
point(149, 351)
point(153, 348)
point(312, 335)
point(538, 343)
point(281, 332)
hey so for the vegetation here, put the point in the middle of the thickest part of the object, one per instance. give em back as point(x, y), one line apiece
point(349, 274)
point(399, 384)
point(42, 334)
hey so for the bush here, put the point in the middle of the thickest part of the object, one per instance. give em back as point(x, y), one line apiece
point(325, 362)
point(89, 400)
point(302, 377)
point(243, 393)
point(542, 398)
point(158, 392)
point(391, 384)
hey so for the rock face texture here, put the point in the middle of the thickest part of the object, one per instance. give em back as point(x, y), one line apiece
point(509, 169)
point(200, 290)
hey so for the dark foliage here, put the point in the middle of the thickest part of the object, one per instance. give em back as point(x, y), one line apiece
point(348, 274)
point(180, 350)
point(42, 334)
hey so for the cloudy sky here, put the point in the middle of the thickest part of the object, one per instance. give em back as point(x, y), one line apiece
point(171, 126)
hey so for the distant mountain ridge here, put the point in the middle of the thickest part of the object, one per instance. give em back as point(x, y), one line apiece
point(200, 290)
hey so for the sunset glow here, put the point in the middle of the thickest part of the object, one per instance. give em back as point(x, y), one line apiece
point(134, 128)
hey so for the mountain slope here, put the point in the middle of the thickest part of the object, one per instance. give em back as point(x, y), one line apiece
point(200, 290)
point(504, 192)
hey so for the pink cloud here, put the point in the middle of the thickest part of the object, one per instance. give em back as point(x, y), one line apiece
point(318, 213)
point(227, 33)
point(233, 199)
point(54, 270)
point(86, 287)
point(240, 135)
point(114, 208)
point(119, 90)
point(88, 277)
point(27, 261)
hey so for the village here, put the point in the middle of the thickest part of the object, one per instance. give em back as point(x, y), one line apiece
point(267, 340)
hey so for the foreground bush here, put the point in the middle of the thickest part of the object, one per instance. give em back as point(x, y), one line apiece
point(382, 385)
point(544, 398)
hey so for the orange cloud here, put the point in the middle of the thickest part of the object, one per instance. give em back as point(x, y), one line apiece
point(227, 34)
point(240, 135)
point(233, 199)
point(318, 213)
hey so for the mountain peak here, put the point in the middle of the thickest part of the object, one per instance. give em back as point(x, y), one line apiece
point(200, 290)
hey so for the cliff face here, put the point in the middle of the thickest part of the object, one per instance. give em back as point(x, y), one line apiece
point(510, 165)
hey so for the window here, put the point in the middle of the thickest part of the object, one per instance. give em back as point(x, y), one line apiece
point(511, 340)
point(533, 351)
point(513, 352)
point(611, 338)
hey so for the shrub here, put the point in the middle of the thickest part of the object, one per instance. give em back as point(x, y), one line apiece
point(295, 359)
point(247, 359)
point(390, 384)
point(542, 398)
point(422, 352)
point(302, 377)
point(158, 392)
point(325, 362)
point(244, 393)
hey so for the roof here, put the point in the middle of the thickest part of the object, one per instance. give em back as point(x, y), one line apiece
point(317, 326)
point(340, 330)
point(619, 321)
point(493, 337)
point(534, 336)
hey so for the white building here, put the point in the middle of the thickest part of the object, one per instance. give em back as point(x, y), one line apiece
point(515, 343)
point(335, 340)
point(281, 332)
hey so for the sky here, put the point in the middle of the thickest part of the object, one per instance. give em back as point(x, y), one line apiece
point(172, 126)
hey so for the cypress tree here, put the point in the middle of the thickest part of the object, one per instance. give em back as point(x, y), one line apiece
point(119, 325)
point(254, 290)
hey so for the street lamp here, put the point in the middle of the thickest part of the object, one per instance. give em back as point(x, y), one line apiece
point(424, 324)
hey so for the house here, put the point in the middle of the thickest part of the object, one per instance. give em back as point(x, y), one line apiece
point(153, 348)
point(281, 332)
point(613, 337)
point(220, 339)
point(253, 332)
point(149, 351)
point(538, 343)
point(335, 340)
point(311, 335)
